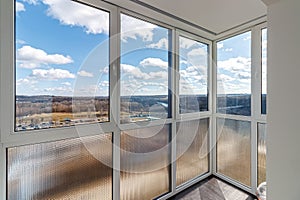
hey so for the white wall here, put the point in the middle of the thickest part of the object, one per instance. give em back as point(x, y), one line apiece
point(283, 160)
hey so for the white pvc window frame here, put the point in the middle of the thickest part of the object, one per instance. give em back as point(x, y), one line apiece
point(208, 113)
point(10, 138)
point(256, 116)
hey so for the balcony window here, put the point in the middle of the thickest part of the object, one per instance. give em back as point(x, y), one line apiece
point(264, 71)
point(234, 75)
point(61, 77)
point(193, 70)
point(144, 71)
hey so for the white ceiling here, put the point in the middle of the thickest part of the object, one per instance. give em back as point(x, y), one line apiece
point(214, 15)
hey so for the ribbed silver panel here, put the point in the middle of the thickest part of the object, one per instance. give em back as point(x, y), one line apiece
point(234, 149)
point(63, 169)
point(145, 163)
point(261, 153)
point(192, 149)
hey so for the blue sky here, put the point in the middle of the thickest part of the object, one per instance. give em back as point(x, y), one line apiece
point(234, 65)
point(63, 51)
point(58, 50)
point(193, 67)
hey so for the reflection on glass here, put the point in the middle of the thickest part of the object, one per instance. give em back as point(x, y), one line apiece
point(66, 169)
point(264, 71)
point(145, 159)
point(193, 68)
point(144, 70)
point(51, 64)
point(234, 150)
point(234, 75)
point(191, 149)
point(261, 153)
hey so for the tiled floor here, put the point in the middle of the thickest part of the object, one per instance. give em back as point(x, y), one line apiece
point(212, 189)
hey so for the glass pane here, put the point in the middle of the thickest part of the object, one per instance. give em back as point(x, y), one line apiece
point(234, 149)
point(193, 68)
point(145, 158)
point(66, 169)
point(264, 71)
point(60, 57)
point(261, 153)
point(144, 70)
point(234, 75)
point(192, 149)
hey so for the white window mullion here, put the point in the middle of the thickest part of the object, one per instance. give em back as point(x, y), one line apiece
point(255, 100)
point(6, 84)
point(176, 75)
point(7, 71)
point(115, 97)
point(214, 108)
point(174, 89)
point(2, 172)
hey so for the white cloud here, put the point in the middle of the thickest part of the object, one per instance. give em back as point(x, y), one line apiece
point(104, 84)
point(159, 74)
point(234, 76)
point(197, 52)
point(66, 83)
point(244, 75)
point(104, 70)
point(93, 20)
point(154, 83)
point(134, 28)
point(192, 86)
point(34, 2)
point(228, 49)
point(20, 41)
point(29, 57)
point(184, 62)
point(233, 88)
point(92, 90)
point(59, 90)
point(25, 81)
point(19, 7)
point(193, 80)
point(51, 74)
point(202, 70)
point(161, 44)
point(186, 43)
point(225, 78)
point(140, 87)
point(85, 74)
point(134, 71)
point(235, 65)
point(220, 45)
point(154, 62)
point(247, 38)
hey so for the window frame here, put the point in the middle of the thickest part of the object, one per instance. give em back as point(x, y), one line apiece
point(52, 133)
point(209, 156)
point(250, 30)
point(228, 178)
point(199, 114)
point(261, 74)
point(171, 30)
point(10, 138)
point(256, 116)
